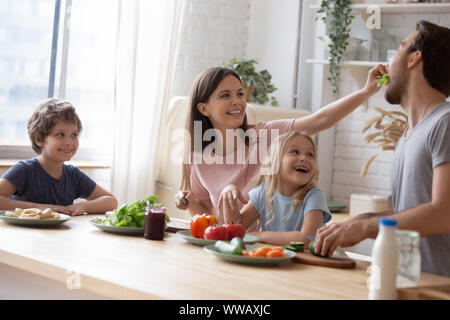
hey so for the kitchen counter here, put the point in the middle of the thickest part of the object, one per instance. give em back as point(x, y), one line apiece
point(340, 217)
point(130, 267)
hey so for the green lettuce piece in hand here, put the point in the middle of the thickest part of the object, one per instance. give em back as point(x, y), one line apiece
point(383, 80)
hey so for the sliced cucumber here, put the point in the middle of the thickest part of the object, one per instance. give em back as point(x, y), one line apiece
point(311, 250)
point(227, 247)
point(295, 246)
point(290, 248)
point(238, 242)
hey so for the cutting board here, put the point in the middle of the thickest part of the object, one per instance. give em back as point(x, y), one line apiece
point(331, 262)
point(175, 225)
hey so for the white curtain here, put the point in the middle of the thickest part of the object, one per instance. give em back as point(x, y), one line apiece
point(147, 44)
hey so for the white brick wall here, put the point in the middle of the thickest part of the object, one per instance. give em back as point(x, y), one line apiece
point(213, 31)
point(351, 152)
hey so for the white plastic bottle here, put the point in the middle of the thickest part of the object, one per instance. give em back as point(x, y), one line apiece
point(384, 262)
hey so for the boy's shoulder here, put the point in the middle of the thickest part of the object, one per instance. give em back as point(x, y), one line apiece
point(22, 170)
point(30, 163)
point(33, 166)
point(72, 170)
point(70, 166)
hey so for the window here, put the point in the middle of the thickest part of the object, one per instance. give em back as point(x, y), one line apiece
point(84, 43)
point(90, 70)
point(25, 42)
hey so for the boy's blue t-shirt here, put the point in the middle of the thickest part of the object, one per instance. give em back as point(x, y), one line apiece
point(287, 219)
point(34, 184)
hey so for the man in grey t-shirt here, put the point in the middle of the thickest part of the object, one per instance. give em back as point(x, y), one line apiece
point(416, 158)
point(419, 80)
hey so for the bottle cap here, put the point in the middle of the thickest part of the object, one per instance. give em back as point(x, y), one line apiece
point(388, 222)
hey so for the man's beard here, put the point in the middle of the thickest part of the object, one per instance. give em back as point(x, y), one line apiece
point(396, 90)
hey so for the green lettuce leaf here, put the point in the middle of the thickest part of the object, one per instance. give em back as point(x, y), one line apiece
point(132, 215)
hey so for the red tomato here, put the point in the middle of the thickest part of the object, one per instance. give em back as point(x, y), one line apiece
point(200, 222)
point(216, 233)
point(235, 230)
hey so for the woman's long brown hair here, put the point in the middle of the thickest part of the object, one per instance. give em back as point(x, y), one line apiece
point(202, 89)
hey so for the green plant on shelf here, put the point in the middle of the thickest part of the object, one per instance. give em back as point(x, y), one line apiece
point(257, 85)
point(337, 16)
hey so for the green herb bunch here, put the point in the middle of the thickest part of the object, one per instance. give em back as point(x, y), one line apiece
point(260, 82)
point(337, 14)
point(132, 215)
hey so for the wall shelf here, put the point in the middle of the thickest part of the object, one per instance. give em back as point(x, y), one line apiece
point(401, 7)
point(351, 63)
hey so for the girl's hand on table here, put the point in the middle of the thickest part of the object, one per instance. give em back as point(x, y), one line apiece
point(230, 195)
point(259, 234)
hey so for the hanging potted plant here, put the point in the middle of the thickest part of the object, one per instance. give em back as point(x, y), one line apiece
point(337, 15)
point(257, 85)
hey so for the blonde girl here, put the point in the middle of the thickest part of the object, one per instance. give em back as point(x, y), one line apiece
point(286, 198)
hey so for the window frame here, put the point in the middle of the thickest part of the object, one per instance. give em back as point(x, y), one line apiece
point(61, 37)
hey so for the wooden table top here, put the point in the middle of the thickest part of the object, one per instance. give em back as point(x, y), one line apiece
point(130, 267)
point(340, 217)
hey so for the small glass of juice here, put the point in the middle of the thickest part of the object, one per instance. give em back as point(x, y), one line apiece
point(155, 222)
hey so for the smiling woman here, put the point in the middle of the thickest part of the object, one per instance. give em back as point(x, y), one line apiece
point(226, 106)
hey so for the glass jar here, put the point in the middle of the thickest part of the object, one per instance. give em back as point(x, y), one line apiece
point(155, 223)
point(408, 273)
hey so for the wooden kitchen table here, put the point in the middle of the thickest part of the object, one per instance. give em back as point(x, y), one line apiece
point(130, 267)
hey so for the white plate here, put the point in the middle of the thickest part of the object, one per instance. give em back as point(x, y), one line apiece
point(117, 230)
point(186, 235)
point(34, 222)
point(261, 261)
